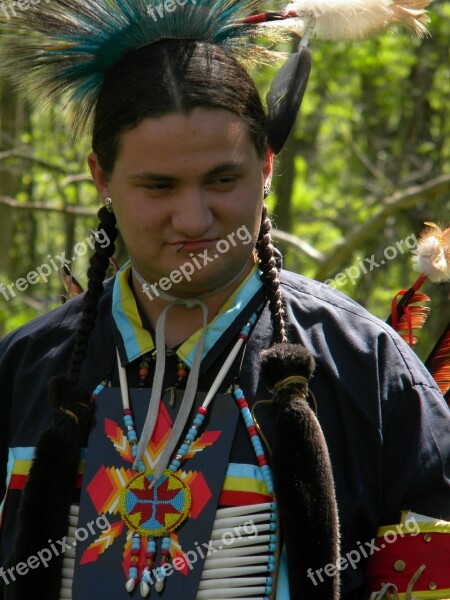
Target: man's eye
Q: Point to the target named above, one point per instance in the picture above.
(157, 187)
(226, 180)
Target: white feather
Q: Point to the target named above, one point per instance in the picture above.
(355, 19)
(431, 259)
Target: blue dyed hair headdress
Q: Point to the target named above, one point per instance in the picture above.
(68, 46)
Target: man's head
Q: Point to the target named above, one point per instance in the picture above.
(179, 145)
(173, 76)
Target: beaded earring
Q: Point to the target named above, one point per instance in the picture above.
(108, 205)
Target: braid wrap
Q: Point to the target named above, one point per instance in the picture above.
(269, 277)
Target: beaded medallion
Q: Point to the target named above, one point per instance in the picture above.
(154, 511)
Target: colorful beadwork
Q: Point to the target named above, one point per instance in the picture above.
(182, 371)
(254, 438)
(181, 376)
(101, 386)
(266, 473)
(143, 371)
(155, 510)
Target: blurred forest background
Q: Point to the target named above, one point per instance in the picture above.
(367, 164)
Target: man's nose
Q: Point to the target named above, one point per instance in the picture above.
(192, 216)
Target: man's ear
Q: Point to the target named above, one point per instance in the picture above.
(98, 175)
(267, 168)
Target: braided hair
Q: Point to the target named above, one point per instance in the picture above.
(46, 499)
(98, 265)
(265, 250)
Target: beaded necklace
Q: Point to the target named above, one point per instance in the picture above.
(144, 372)
(169, 490)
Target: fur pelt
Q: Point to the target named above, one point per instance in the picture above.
(305, 494)
(303, 477)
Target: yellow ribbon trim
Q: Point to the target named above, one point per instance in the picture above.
(424, 595)
(431, 526)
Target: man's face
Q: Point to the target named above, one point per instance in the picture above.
(192, 180)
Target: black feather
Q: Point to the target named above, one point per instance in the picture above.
(285, 97)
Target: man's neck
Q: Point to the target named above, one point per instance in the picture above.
(184, 322)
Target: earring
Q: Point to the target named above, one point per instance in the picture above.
(266, 191)
(108, 205)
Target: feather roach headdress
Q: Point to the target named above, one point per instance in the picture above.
(67, 47)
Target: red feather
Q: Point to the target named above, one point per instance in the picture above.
(438, 363)
(413, 317)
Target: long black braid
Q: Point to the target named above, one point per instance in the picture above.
(270, 277)
(98, 265)
(48, 494)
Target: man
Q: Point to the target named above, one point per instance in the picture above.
(182, 162)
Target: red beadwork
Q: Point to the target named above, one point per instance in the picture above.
(252, 430)
(128, 411)
(202, 410)
(143, 372)
(135, 552)
(242, 403)
(182, 373)
(150, 555)
(242, 336)
(262, 461)
(164, 552)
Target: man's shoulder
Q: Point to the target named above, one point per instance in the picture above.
(318, 296)
(45, 330)
(338, 325)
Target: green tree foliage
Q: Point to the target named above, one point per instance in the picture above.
(366, 165)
